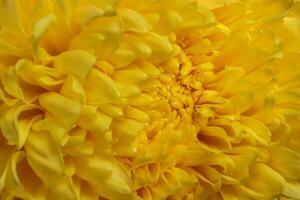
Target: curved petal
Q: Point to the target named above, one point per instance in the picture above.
(76, 62)
(263, 182)
(45, 158)
(21, 180)
(100, 88)
(16, 123)
(285, 161)
(39, 75)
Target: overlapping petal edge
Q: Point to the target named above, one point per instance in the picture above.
(149, 99)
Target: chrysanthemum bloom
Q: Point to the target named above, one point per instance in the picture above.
(149, 99)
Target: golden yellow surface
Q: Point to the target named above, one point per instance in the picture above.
(150, 99)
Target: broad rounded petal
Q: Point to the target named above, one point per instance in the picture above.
(93, 169)
(133, 113)
(133, 21)
(128, 90)
(141, 100)
(263, 182)
(72, 89)
(286, 162)
(130, 76)
(214, 137)
(138, 46)
(16, 123)
(95, 121)
(109, 179)
(122, 57)
(126, 128)
(45, 77)
(112, 110)
(257, 130)
(45, 158)
(78, 144)
(151, 70)
(161, 48)
(228, 193)
(194, 18)
(61, 107)
(292, 190)
(76, 62)
(100, 88)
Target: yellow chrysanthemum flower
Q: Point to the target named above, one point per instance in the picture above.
(149, 99)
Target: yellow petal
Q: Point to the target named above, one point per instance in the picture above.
(89, 42)
(16, 123)
(72, 89)
(7, 48)
(127, 128)
(216, 3)
(83, 15)
(10, 83)
(194, 17)
(100, 88)
(122, 57)
(102, 37)
(78, 145)
(151, 70)
(11, 18)
(133, 113)
(111, 110)
(86, 192)
(161, 48)
(153, 152)
(58, 128)
(147, 174)
(5, 155)
(60, 107)
(170, 20)
(127, 147)
(243, 101)
(133, 21)
(40, 27)
(95, 121)
(286, 162)
(141, 100)
(257, 129)
(228, 193)
(214, 137)
(263, 183)
(105, 67)
(128, 90)
(138, 46)
(21, 180)
(92, 168)
(106, 175)
(38, 75)
(195, 157)
(292, 190)
(130, 76)
(269, 11)
(76, 62)
(45, 158)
